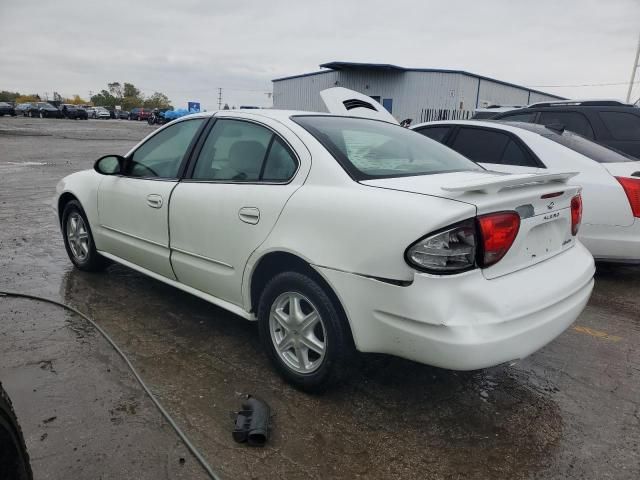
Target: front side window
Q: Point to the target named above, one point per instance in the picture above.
(573, 121)
(162, 155)
(369, 149)
(622, 125)
(239, 151)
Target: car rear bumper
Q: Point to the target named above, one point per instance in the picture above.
(466, 322)
(612, 243)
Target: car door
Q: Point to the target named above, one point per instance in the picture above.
(245, 172)
(133, 207)
(494, 149)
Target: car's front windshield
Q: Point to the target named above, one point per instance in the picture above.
(370, 149)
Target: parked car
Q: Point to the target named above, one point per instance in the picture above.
(14, 458)
(7, 109)
(73, 112)
(44, 110)
(122, 115)
(610, 180)
(23, 109)
(140, 113)
(386, 242)
(101, 113)
(608, 122)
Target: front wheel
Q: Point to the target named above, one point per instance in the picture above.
(78, 240)
(304, 332)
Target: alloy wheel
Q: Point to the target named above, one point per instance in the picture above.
(78, 237)
(297, 332)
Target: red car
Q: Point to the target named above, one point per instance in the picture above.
(140, 113)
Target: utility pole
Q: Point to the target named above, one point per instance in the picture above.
(219, 98)
(633, 72)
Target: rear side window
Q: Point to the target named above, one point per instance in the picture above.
(527, 117)
(594, 151)
(238, 151)
(575, 122)
(435, 133)
(280, 165)
(488, 146)
(621, 125)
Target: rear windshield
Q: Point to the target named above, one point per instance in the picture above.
(369, 149)
(594, 151)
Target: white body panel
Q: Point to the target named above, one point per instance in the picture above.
(355, 235)
(609, 229)
(130, 227)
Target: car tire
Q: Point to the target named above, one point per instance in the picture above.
(78, 239)
(14, 458)
(321, 352)
(41, 114)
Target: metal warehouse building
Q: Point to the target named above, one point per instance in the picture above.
(421, 94)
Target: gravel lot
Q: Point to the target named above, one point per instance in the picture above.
(571, 410)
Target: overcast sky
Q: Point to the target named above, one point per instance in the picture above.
(189, 48)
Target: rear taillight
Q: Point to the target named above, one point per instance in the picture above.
(576, 214)
(482, 242)
(497, 233)
(451, 250)
(632, 189)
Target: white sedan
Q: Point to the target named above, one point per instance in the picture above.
(338, 234)
(610, 180)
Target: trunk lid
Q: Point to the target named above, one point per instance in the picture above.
(342, 101)
(542, 200)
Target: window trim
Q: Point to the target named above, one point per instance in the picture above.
(514, 137)
(185, 159)
(188, 174)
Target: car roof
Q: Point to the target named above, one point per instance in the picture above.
(280, 115)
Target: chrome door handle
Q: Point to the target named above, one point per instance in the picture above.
(154, 200)
(249, 215)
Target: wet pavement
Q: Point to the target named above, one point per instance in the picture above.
(571, 410)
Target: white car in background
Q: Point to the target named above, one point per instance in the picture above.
(101, 112)
(610, 180)
(338, 233)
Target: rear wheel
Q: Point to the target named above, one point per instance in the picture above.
(304, 332)
(14, 459)
(78, 240)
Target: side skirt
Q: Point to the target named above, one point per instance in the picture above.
(185, 288)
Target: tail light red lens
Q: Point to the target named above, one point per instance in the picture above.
(576, 214)
(632, 189)
(497, 233)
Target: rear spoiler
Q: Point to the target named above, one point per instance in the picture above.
(501, 182)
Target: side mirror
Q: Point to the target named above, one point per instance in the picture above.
(109, 165)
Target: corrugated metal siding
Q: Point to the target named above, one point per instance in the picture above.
(420, 96)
